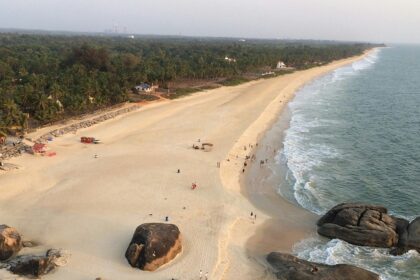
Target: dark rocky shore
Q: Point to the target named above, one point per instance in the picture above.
(289, 267)
(358, 224)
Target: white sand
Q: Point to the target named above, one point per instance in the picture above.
(90, 206)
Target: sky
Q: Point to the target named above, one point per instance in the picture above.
(376, 21)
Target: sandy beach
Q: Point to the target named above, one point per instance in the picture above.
(90, 206)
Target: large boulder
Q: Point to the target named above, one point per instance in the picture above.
(289, 267)
(10, 242)
(361, 224)
(153, 245)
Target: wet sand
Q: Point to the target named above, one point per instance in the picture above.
(280, 224)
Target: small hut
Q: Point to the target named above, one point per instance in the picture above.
(207, 147)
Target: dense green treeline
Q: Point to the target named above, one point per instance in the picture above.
(45, 78)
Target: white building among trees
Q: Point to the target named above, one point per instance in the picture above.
(281, 65)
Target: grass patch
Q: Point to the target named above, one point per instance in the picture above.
(234, 81)
(180, 92)
(278, 73)
(142, 97)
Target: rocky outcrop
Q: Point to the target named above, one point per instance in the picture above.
(10, 242)
(360, 224)
(34, 265)
(153, 245)
(289, 267)
(13, 151)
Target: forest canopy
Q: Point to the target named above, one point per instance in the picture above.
(44, 78)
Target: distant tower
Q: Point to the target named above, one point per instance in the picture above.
(115, 28)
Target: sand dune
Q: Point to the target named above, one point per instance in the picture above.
(90, 206)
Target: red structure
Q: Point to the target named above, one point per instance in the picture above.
(87, 140)
(38, 148)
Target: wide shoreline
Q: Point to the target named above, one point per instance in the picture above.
(89, 198)
(281, 224)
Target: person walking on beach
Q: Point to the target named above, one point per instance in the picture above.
(201, 274)
(206, 276)
(179, 171)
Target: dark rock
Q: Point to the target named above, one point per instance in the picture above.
(153, 245)
(31, 265)
(360, 224)
(413, 240)
(409, 237)
(289, 267)
(402, 230)
(10, 242)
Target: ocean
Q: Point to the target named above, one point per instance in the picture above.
(354, 136)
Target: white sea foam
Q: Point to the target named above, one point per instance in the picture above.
(300, 154)
(377, 260)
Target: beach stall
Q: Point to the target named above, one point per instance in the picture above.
(207, 147)
(39, 148)
(89, 140)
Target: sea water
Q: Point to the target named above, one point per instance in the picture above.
(354, 136)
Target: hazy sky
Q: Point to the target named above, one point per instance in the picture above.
(367, 20)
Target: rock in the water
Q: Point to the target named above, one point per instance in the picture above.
(153, 245)
(289, 267)
(31, 265)
(409, 237)
(360, 224)
(10, 242)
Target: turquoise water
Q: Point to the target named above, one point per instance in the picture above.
(354, 136)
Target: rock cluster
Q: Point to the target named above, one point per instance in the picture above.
(153, 245)
(35, 265)
(27, 265)
(289, 267)
(370, 225)
(12, 151)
